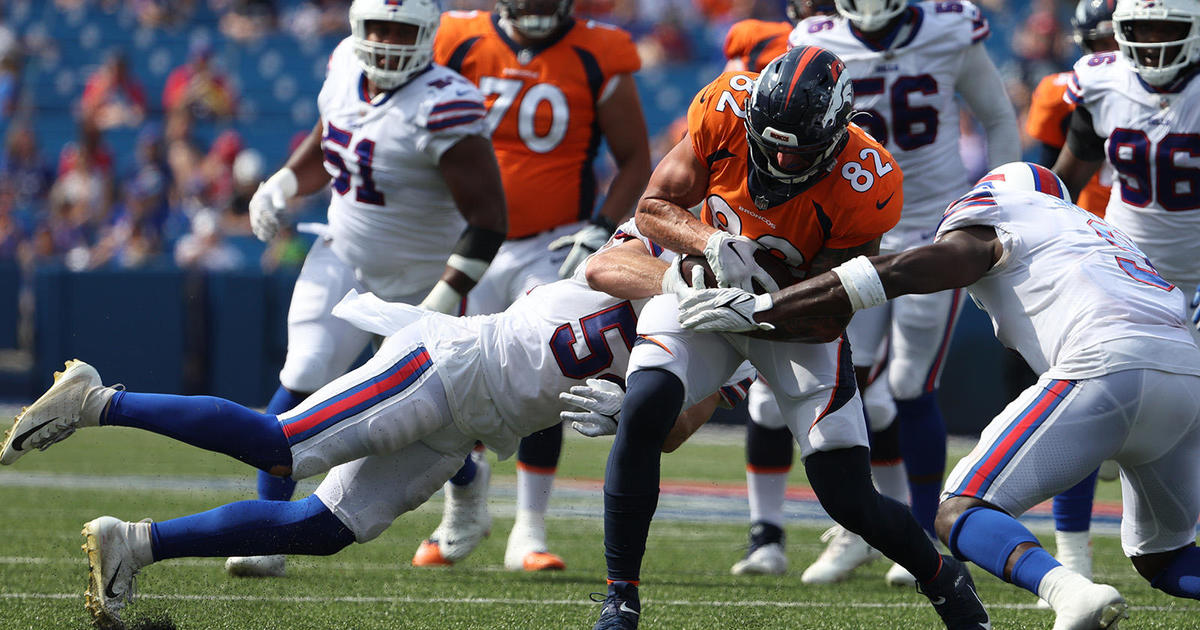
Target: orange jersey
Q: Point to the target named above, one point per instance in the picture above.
(1049, 116)
(757, 42)
(542, 107)
(854, 204)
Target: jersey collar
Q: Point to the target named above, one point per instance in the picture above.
(526, 54)
(913, 21)
(1173, 87)
(364, 96)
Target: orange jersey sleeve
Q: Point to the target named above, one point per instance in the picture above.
(1049, 113)
(542, 109)
(855, 203)
(757, 42)
(1094, 196)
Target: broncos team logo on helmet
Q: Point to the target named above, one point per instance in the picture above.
(797, 119)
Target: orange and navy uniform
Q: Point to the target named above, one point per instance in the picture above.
(1049, 116)
(854, 204)
(542, 107)
(757, 42)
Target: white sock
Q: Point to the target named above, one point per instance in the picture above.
(1060, 584)
(533, 490)
(766, 493)
(1074, 551)
(137, 536)
(891, 480)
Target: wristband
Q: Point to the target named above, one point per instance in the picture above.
(442, 298)
(861, 282)
(472, 268)
(285, 179)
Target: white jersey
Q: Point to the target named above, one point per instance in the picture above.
(391, 216)
(1071, 293)
(1152, 140)
(908, 90)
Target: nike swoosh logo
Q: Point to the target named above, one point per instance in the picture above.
(108, 592)
(19, 441)
(625, 608)
(880, 204)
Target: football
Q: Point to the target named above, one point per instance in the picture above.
(784, 274)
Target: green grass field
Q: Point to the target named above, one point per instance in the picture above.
(46, 498)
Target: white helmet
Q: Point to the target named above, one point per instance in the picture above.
(391, 65)
(534, 21)
(1173, 56)
(870, 15)
(1025, 176)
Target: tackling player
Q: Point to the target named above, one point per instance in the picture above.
(403, 145)
(1119, 378)
(555, 87)
(909, 64)
(1137, 109)
(389, 433)
(777, 165)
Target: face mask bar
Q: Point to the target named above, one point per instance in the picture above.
(391, 65)
(1158, 63)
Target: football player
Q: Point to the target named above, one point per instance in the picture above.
(403, 146)
(1119, 378)
(776, 164)
(909, 64)
(1136, 108)
(389, 433)
(555, 87)
(752, 44)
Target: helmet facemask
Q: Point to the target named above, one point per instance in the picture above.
(535, 19)
(780, 155)
(870, 15)
(390, 65)
(1157, 62)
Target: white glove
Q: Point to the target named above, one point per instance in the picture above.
(723, 310)
(732, 261)
(601, 401)
(673, 281)
(583, 243)
(270, 201)
(1196, 305)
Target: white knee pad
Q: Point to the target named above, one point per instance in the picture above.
(881, 409)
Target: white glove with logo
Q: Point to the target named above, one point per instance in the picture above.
(601, 401)
(723, 310)
(732, 261)
(674, 282)
(270, 201)
(583, 243)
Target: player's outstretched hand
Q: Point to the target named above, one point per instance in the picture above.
(723, 310)
(732, 261)
(583, 243)
(1196, 305)
(269, 203)
(600, 400)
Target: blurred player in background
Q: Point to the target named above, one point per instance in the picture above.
(555, 88)
(404, 146)
(1137, 108)
(909, 64)
(752, 44)
(777, 166)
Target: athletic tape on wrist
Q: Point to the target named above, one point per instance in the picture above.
(862, 283)
(472, 268)
(285, 178)
(442, 298)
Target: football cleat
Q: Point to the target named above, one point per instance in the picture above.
(256, 566)
(55, 415)
(1090, 607)
(899, 576)
(765, 556)
(465, 521)
(527, 551)
(952, 593)
(845, 552)
(622, 609)
(111, 569)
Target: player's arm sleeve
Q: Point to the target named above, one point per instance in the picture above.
(981, 87)
(1048, 114)
(1082, 138)
(443, 122)
(695, 122)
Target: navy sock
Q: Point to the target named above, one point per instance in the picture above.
(1073, 507)
(465, 474)
(270, 487)
(923, 447)
(652, 403)
(253, 528)
(988, 537)
(206, 422)
(541, 450)
(769, 449)
(1182, 577)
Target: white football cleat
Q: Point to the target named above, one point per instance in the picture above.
(1090, 607)
(846, 552)
(769, 559)
(112, 566)
(256, 566)
(899, 576)
(465, 521)
(55, 415)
